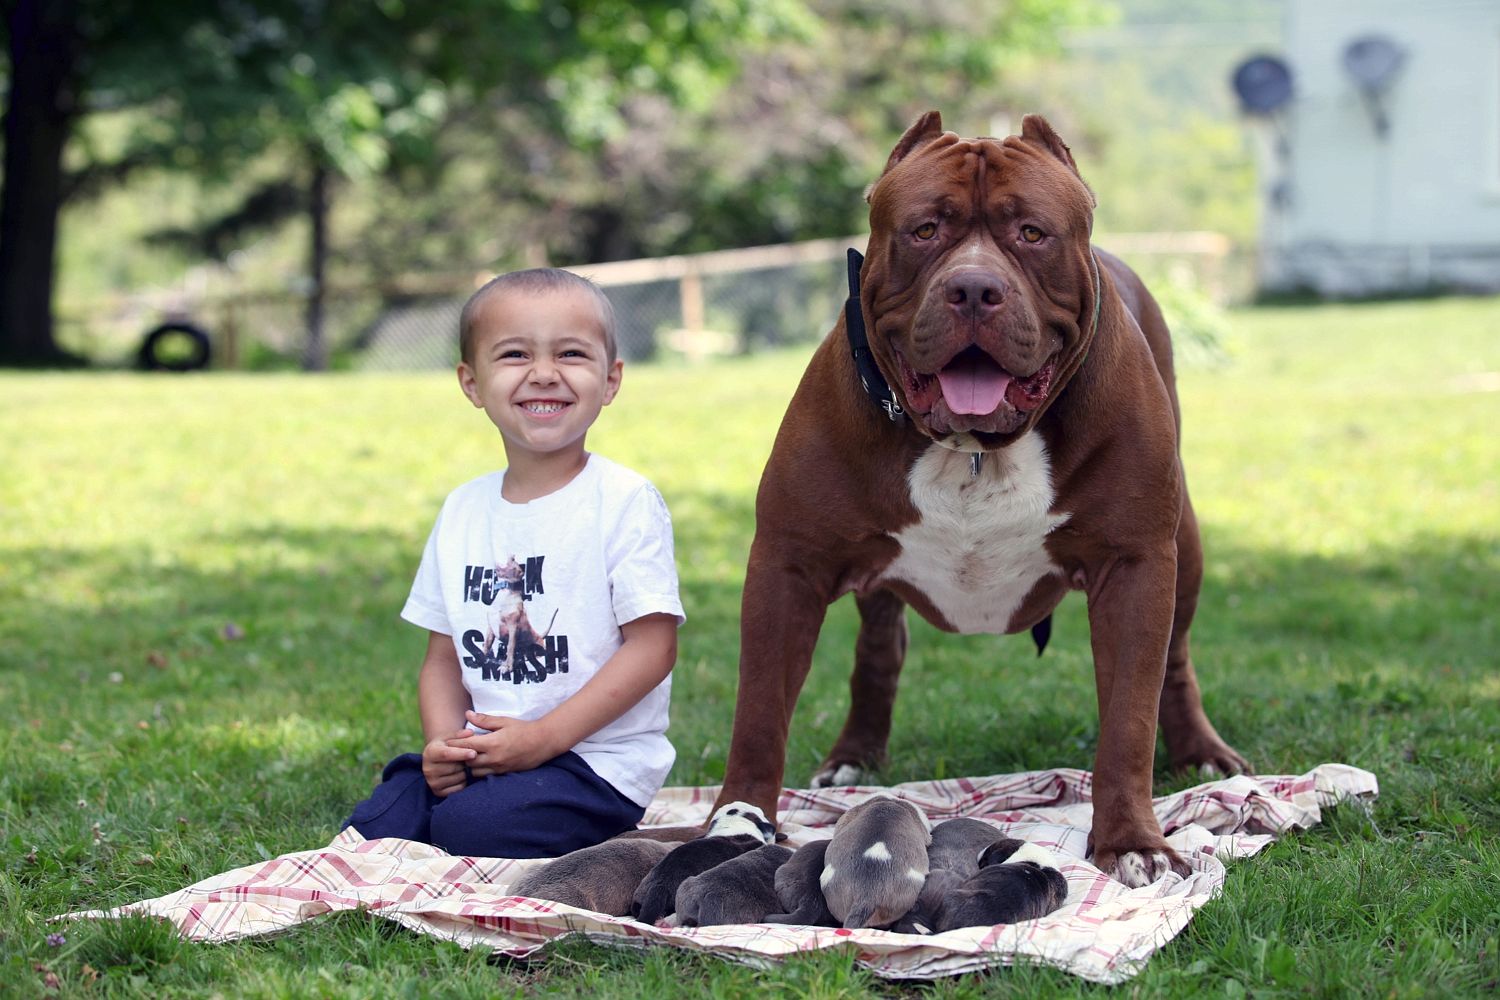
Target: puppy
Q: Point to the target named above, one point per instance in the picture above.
(602, 878)
(952, 857)
(1012, 884)
(735, 829)
(876, 862)
(741, 890)
(798, 891)
(665, 834)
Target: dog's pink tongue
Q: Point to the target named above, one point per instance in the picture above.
(973, 385)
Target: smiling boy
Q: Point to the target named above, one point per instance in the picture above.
(549, 593)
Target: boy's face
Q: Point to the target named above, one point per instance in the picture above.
(540, 369)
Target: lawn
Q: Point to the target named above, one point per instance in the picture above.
(201, 662)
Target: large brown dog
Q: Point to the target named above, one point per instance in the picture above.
(1027, 445)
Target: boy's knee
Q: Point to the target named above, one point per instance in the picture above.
(399, 806)
(482, 822)
(487, 819)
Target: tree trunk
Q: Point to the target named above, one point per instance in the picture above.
(44, 45)
(315, 359)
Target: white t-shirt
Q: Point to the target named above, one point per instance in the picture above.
(534, 594)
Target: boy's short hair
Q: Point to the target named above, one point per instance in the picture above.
(536, 281)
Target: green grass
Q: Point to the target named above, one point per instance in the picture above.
(201, 663)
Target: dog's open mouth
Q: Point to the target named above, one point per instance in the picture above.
(973, 386)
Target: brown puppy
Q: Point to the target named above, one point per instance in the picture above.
(992, 424)
(602, 878)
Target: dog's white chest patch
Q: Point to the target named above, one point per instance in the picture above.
(976, 549)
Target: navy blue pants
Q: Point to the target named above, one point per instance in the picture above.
(546, 812)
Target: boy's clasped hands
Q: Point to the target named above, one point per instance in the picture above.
(450, 762)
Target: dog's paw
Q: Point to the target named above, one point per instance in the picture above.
(1210, 757)
(839, 775)
(1141, 868)
(1221, 761)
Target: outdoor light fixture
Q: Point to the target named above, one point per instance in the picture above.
(1264, 87)
(1263, 83)
(1373, 61)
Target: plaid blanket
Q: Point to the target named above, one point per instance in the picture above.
(1104, 931)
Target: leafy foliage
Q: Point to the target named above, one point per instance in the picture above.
(479, 135)
(325, 88)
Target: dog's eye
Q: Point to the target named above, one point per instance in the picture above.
(925, 231)
(1031, 234)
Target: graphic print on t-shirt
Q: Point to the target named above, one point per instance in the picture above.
(511, 648)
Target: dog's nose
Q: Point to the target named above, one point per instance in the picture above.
(974, 291)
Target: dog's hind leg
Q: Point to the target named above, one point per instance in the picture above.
(1192, 741)
(878, 655)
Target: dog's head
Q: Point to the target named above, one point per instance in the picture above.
(979, 287)
(741, 818)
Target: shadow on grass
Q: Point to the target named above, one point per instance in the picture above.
(256, 686)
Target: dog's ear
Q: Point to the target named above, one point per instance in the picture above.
(1035, 129)
(922, 131)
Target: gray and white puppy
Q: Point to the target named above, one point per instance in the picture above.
(952, 857)
(735, 829)
(741, 890)
(798, 891)
(1011, 885)
(602, 878)
(876, 862)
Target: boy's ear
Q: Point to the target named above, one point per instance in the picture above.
(469, 384)
(612, 380)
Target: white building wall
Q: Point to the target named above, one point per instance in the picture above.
(1421, 206)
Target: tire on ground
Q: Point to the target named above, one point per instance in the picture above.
(156, 353)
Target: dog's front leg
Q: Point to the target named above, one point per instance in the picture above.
(781, 613)
(1130, 621)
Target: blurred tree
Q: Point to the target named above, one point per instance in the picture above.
(790, 152)
(43, 45)
(347, 88)
(781, 153)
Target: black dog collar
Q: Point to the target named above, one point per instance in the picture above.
(875, 385)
